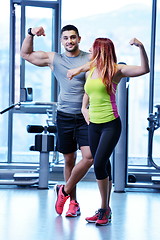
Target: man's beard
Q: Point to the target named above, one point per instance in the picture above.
(73, 49)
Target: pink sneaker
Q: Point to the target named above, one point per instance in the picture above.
(73, 210)
(94, 218)
(103, 218)
(61, 199)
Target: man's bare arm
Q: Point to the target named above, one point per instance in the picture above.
(38, 58)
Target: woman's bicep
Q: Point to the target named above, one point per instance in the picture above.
(131, 71)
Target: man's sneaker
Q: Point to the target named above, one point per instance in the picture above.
(73, 210)
(61, 199)
(94, 218)
(103, 218)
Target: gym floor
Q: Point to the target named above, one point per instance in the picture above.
(29, 214)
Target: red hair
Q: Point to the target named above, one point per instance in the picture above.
(104, 58)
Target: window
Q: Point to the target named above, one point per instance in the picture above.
(156, 94)
(4, 77)
(116, 20)
(23, 75)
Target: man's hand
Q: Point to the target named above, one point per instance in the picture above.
(38, 31)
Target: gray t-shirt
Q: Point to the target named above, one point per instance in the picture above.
(71, 91)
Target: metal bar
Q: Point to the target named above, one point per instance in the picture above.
(56, 26)
(120, 152)
(46, 4)
(10, 107)
(22, 66)
(152, 56)
(11, 78)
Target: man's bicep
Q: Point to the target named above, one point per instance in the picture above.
(38, 58)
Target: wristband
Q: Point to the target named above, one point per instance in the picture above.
(30, 33)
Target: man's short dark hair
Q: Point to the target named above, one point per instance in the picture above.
(69, 28)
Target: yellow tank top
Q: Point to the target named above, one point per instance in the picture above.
(102, 106)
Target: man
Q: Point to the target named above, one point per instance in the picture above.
(71, 126)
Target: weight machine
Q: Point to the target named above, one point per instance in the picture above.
(44, 143)
(154, 124)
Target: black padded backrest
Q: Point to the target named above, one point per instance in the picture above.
(35, 128)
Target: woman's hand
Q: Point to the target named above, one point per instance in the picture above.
(84, 109)
(136, 42)
(73, 72)
(85, 113)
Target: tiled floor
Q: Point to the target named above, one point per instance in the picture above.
(29, 214)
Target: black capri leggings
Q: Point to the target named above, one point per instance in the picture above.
(103, 138)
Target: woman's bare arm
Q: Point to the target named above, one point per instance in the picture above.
(85, 110)
(143, 68)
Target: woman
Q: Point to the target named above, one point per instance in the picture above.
(102, 115)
